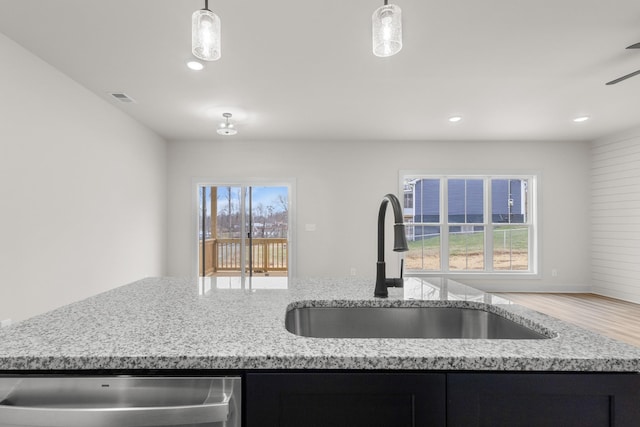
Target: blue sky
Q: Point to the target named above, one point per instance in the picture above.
(268, 196)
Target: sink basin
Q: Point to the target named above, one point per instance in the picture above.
(404, 322)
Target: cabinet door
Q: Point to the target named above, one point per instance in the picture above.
(344, 400)
(543, 399)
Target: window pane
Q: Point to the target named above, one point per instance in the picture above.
(509, 200)
(228, 223)
(205, 258)
(228, 247)
(408, 203)
(426, 200)
(465, 201)
(204, 200)
(424, 248)
(511, 247)
(466, 247)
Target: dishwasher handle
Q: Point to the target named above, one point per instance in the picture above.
(32, 416)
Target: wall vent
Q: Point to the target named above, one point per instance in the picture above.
(122, 97)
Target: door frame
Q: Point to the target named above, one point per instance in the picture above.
(290, 183)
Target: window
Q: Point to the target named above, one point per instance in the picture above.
(243, 231)
(470, 224)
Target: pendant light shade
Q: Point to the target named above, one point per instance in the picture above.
(226, 128)
(387, 30)
(205, 34)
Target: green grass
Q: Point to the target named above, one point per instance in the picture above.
(517, 239)
(432, 242)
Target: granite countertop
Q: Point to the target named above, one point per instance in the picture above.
(173, 323)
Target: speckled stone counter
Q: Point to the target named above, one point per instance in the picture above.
(171, 323)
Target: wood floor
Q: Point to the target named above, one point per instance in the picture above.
(607, 316)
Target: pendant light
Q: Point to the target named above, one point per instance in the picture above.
(387, 30)
(205, 34)
(226, 128)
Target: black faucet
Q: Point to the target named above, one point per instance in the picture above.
(399, 245)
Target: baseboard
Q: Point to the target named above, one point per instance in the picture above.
(532, 287)
(624, 296)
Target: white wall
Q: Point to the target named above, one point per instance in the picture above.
(615, 216)
(82, 190)
(340, 186)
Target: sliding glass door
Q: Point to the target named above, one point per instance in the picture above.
(243, 230)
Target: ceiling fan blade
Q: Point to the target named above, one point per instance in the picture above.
(634, 46)
(618, 80)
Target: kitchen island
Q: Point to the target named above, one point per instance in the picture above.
(172, 323)
(182, 325)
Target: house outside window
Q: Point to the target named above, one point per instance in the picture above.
(481, 224)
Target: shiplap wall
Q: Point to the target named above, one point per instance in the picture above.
(615, 216)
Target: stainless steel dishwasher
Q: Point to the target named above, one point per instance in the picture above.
(120, 401)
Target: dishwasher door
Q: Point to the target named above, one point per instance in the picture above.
(120, 401)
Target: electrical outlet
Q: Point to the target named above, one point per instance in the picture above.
(554, 272)
(4, 323)
(353, 271)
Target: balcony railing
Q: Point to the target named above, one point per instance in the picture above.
(225, 255)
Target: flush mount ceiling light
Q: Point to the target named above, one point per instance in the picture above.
(205, 34)
(387, 30)
(581, 119)
(226, 128)
(455, 119)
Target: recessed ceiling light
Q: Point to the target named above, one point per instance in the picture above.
(195, 65)
(455, 119)
(581, 119)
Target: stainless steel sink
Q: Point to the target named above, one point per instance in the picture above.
(404, 322)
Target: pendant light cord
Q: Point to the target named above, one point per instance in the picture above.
(206, 4)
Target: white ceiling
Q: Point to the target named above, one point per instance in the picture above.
(304, 70)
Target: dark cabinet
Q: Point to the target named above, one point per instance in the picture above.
(352, 399)
(432, 399)
(543, 399)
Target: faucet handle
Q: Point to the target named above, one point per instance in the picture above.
(396, 282)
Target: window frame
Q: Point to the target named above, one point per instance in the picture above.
(532, 222)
